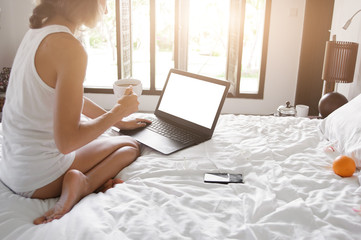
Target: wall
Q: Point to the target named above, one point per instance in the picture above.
(343, 10)
(14, 17)
(315, 36)
(282, 63)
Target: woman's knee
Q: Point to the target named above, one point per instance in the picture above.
(76, 177)
(73, 174)
(129, 141)
(133, 151)
(128, 154)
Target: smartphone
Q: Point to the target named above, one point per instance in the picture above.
(224, 178)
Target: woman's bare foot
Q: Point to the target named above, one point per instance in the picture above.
(75, 187)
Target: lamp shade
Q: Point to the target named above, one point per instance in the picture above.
(339, 62)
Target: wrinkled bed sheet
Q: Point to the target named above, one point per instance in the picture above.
(290, 191)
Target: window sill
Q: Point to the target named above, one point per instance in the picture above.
(158, 92)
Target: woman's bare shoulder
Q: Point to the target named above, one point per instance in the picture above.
(61, 54)
(63, 44)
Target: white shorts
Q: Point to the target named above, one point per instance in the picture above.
(28, 194)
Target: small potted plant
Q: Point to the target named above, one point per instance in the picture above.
(4, 81)
(4, 78)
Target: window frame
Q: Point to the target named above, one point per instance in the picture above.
(181, 45)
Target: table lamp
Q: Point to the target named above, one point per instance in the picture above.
(339, 63)
(338, 67)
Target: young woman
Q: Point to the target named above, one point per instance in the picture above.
(48, 151)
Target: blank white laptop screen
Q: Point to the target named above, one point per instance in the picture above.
(192, 99)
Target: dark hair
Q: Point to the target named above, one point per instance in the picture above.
(79, 12)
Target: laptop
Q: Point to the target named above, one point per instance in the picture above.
(186, 114)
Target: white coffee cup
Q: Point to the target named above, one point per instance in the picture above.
(121, 85)
(302, 110)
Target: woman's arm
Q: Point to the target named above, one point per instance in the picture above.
(93, 110)
(66, 56)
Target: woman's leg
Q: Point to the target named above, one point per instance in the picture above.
(94, 165)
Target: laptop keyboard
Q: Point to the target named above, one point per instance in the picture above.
(171, 131)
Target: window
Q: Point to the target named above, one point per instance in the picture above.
(101, 46)
(143, 39)
(207, 37)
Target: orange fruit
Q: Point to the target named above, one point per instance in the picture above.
(344, 166)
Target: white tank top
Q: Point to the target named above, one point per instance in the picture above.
(30, 158)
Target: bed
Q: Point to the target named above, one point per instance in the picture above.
(289, 190)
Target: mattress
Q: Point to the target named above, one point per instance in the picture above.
(289, 191)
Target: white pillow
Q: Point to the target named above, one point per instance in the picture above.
(343, 129)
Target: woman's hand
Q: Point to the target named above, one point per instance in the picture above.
(132, 124)
(126, 105)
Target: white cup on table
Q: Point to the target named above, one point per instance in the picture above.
(302, 110)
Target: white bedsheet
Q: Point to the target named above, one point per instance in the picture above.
(290, 192)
